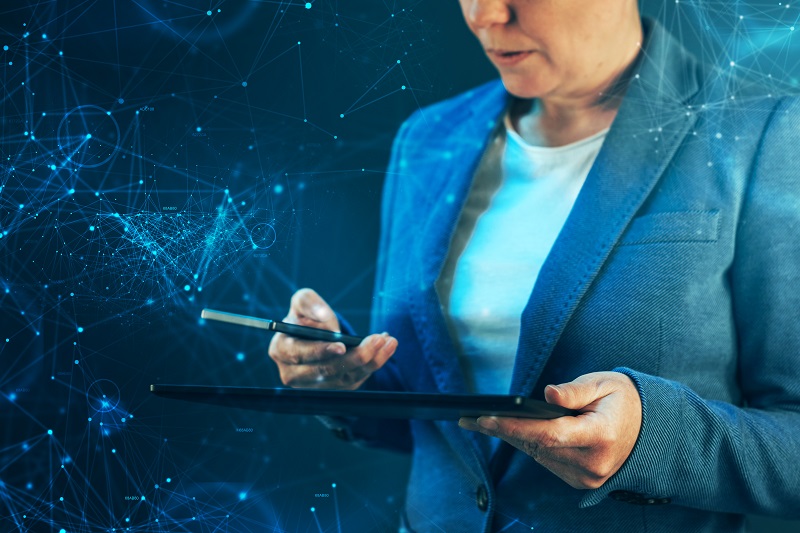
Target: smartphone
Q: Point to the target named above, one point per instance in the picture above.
(301, 332)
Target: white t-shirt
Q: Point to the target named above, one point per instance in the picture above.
(518, 203)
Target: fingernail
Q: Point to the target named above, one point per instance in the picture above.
(488, 422)
(378, 342)
(337, 348)
(466, 423)
(320, 312)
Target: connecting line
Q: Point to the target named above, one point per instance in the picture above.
(319, 526)
(336, 506)
(373, 101)
(302, 83)
(372, 87)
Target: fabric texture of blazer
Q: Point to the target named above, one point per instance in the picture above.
(678, 266)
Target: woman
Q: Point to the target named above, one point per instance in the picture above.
(612, 218)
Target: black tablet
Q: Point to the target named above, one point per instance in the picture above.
(363, 403)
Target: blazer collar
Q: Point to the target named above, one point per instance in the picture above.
(650, 125)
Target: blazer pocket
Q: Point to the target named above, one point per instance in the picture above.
(677, 226)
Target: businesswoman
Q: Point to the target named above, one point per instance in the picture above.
(611, 227)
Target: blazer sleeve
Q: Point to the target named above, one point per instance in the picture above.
(380, 433)
(713, 455)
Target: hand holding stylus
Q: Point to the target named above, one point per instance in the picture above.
(325, 365)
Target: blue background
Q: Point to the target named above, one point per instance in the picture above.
(161, 157)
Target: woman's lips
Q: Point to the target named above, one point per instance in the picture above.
(508, 58)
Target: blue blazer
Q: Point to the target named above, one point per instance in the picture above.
(678, 266)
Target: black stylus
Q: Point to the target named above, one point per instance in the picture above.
(303, 332)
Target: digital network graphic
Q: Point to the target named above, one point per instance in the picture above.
(158, 157)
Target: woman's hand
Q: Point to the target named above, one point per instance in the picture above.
(583, 450)
(325, 365)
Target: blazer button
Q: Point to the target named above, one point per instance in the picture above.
(482, 498)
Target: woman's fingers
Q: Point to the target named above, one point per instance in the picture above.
(314, 364)
(307, 308)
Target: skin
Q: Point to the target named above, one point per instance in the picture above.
(579, 49)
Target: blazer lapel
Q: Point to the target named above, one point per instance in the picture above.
(650, 125)
(449, 189)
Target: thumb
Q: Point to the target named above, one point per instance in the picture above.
(309, 305)
(576, 394)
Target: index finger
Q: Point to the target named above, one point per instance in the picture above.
(565, 432)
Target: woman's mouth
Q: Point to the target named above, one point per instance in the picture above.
(508, 57)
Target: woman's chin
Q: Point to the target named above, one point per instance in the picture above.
(526, 87)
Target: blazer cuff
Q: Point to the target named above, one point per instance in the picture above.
(643, 478)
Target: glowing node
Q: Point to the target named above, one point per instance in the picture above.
(244, 84)
(240, 356)
(242, 495)
(49, 431)
(187, 288)
(308, 5)
(208, 12)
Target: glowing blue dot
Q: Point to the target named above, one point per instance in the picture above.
(72, 191)
(88, 135)
(121, 100)
(244, 84)
(341, 116)
(80, 330)
(12, 396)
(89, 419)
(61, 53)
(199, 129)
(52, 167)
(5, 48)
(313, 509)
(403, 87)
(91, 228)
(308, 5)
(333, 485)
(240, 356)
(398, 61)
(278, 189)
(44, 36)
(61, 498)
(169, 480)
(76, 361)
(242, 495)
(155, 486)
(63, 531)
(113, 450)
(49, 431)
(187, 288)
(208, 12)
